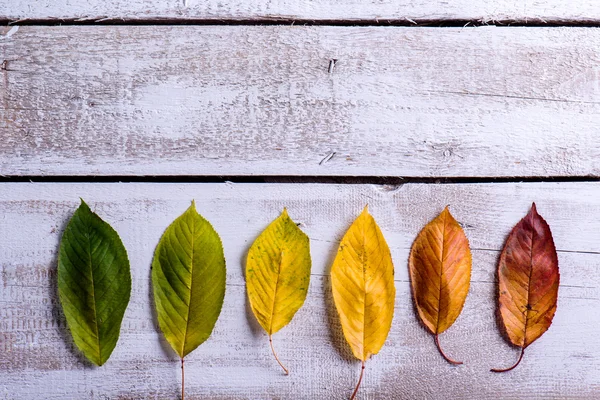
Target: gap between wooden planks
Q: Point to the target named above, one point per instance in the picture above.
(37, 357)
(411, 11)
(254, 100)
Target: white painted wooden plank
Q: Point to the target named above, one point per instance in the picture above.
(248, 100)
(525, 11)
(37, 358)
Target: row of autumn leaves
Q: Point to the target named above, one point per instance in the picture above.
(188, 277)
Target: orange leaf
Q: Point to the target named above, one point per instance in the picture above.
(440, 274)
(528, 282)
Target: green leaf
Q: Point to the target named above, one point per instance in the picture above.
(94, 283)
(278, 274)
(188, 276)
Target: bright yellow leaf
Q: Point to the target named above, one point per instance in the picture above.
(362, 280)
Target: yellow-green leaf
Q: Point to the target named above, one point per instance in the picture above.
(278, 274)
(94, 283)
(362, 280)
(188, 276)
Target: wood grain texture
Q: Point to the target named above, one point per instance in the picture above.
(260, 100)
(37, 358)
(526, 11)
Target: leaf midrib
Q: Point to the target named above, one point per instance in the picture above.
(94, 308)
(437, 323)
(187, 321)
(528, 305)
(364, 271)
(275, 292)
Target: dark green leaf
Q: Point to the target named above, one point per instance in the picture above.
(94, 283)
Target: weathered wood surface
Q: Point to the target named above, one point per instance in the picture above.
(37, 358)
(505, 11)
(252, 100)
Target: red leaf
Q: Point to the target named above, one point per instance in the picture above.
(528, 282)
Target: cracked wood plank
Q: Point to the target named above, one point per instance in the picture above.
(37, 358)
(264, 100)
(410, 11)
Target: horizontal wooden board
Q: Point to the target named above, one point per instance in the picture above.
(505, 11)
(38, 359)
(251, 100)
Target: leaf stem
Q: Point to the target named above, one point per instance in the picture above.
(277, 358)
(182, 381)
(451, 361)
(362, 370)
(514, 366)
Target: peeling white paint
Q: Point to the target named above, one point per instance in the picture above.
(11, 32)
(259, 100)
(408, 10)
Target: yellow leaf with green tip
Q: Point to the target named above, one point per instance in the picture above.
(278, 274)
